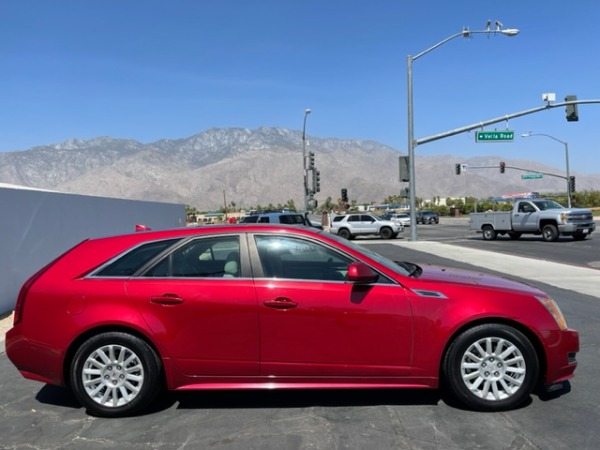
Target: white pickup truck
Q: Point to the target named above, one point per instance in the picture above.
(535, 216)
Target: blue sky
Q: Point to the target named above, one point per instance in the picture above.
(149, 69)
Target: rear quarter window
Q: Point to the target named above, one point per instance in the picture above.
(129, 263)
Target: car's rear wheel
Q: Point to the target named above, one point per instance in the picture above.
(386, 233)
(491, 367)
(489, 234)
(344, 233)
(115, 374)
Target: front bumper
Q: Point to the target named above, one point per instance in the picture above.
(561, 357)
(580, 227)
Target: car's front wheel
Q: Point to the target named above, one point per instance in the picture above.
(550, 233)
(491, 367)
(386, 233)
(115, 374)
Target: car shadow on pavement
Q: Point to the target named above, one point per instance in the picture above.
(248, 399)
(233, 399)
(304, 398)
(57, 396)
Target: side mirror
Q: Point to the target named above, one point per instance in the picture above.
(359, 272)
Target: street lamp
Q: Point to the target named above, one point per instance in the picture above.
(307, 111)
(411, 140)
(566, 159)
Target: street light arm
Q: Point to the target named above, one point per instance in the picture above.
(568, 177)
(542, 134)
(466, 33)
(449, 38)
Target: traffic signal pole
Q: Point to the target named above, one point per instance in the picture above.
(506, 117)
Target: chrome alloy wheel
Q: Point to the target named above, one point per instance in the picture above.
(493, 368)
(112, 375)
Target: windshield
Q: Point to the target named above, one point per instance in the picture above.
(404, 269)
(547, 204)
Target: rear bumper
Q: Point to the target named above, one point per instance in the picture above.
(34, 360)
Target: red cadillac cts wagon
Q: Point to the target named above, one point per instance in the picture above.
(252, 306)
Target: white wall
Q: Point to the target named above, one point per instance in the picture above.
(37, 226)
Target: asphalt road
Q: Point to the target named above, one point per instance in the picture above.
(566, 250)
(33, 415)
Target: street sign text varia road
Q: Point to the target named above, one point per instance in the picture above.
(494, 136)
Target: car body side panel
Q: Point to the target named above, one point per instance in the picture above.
(212, 331)
(53, 321)
(335, 329)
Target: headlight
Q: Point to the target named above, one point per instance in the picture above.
(555, 311)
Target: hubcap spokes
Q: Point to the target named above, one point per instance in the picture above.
(113, 375)
(493, 368)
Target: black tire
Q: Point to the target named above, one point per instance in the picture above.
(386, 233)
(115, 374)
(489, 234)
(514, 235)
(579, 236)
(491, 367)
(345, 233)
(550, 233)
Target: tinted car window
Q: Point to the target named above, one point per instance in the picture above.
(292, 219)
(209, 257)
(134, 260)
(287, 257)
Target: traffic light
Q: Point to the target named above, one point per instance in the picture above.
(457, 169)
(404, 172)
(345, 195)
(572, 114)
(317, 181)
(502, 166)
(572, 183)
(311, 160)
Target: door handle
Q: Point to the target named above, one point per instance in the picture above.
(280, 303)
(166, 299)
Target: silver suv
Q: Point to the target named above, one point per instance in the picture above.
(352, 225)
(289, 218)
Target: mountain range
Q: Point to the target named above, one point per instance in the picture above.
(261, 166)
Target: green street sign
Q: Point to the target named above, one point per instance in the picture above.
(494, 136)
(531, 176)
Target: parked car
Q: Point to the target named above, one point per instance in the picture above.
(427, 217)
(351, 225)
(118, 319)
(288, 218)
(402, 218)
